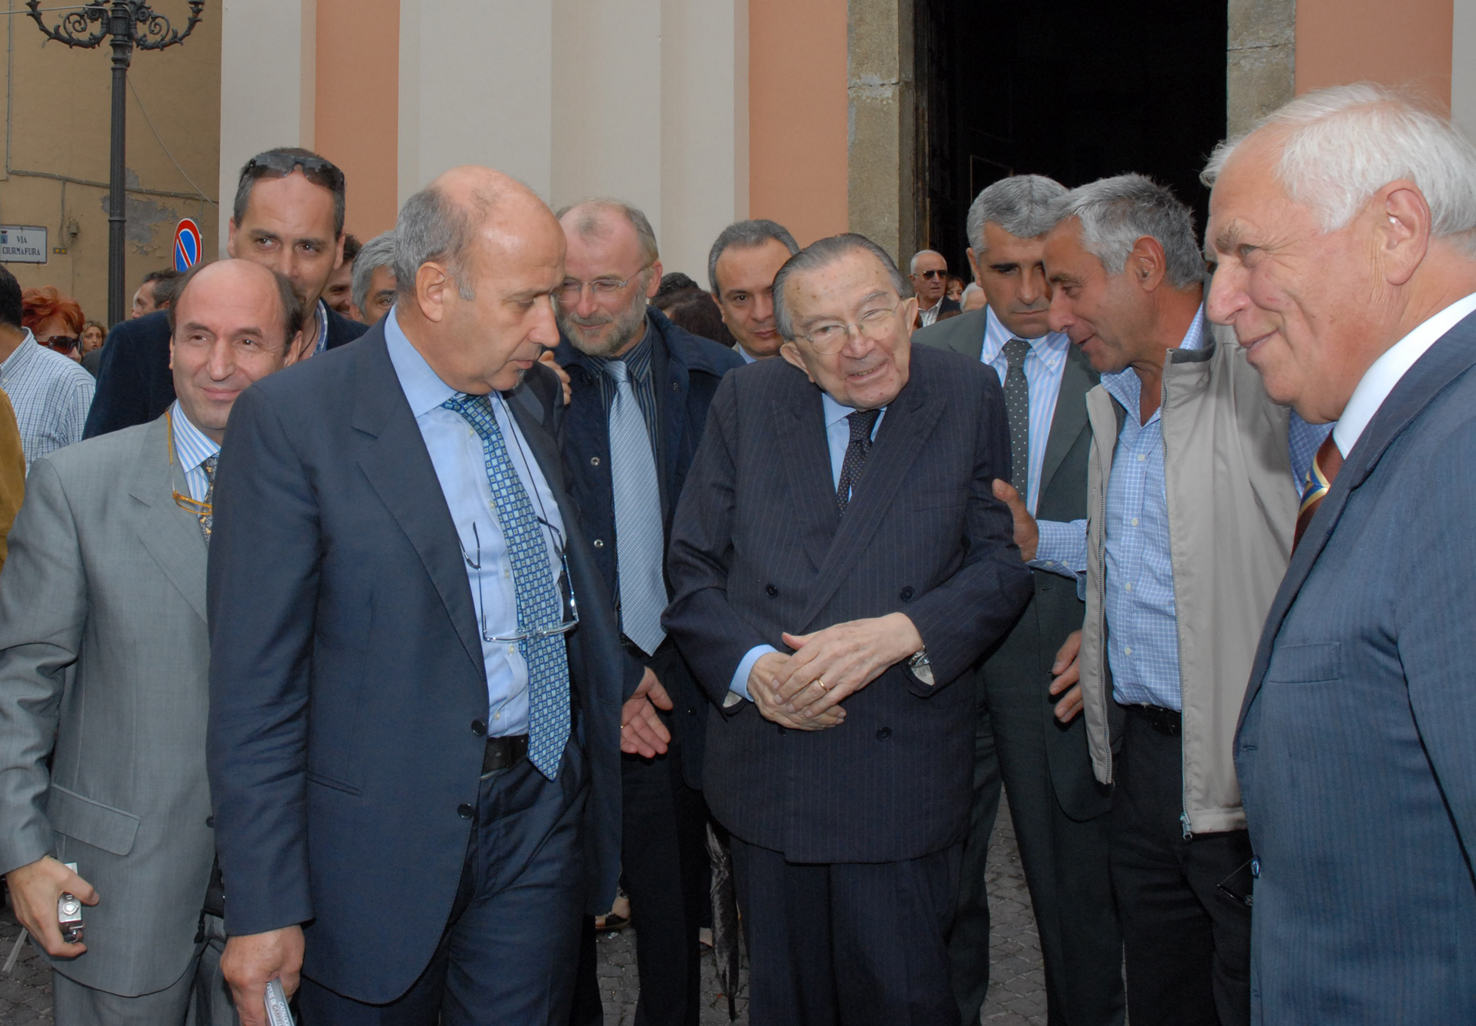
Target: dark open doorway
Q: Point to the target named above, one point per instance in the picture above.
(1073, 89)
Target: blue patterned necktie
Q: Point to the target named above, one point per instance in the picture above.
(540, 605)
(207, 518)
(639, 534)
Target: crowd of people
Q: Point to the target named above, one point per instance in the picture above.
(375, 671)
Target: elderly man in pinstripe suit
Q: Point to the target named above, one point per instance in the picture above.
(839, 561)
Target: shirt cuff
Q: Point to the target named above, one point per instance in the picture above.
(739, 686)
(1062, 548)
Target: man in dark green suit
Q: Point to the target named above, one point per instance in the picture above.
(1027, 735)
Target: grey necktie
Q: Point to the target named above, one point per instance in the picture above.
(207, 519)
(639, 536)
(1017, 412)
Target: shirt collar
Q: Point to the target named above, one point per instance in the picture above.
(1126, 387)
(1050, 347)
(24, 353)
(423, 389)
(834, 411)
(191, 445)
(1385, 373)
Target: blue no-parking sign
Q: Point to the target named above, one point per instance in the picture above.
(186, 246)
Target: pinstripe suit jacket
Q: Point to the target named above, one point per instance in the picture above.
(1355, 751)
(758, 548)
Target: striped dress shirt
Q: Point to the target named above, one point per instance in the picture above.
(191, 449)
(51, 395)
(638, 364)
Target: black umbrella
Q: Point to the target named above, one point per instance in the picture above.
(725, 926)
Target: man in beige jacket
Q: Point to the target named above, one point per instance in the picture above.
(1191, 504)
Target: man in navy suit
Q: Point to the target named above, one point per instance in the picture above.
(627, 464)
(416, 680)
(1343, 228)
(288, 217)
(839, 563)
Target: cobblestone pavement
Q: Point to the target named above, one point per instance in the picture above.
(1016, 992)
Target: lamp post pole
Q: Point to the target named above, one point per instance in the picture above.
(127, 24)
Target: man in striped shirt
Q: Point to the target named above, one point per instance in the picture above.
(50, 393)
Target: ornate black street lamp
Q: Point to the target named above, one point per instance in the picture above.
(129, 23)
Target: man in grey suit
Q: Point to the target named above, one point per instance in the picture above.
(104, 666)
(1026, 732)
(1343, 229)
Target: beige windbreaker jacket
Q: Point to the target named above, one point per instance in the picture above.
(1232, 508)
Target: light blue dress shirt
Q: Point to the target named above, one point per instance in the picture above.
(192, 447)
(744, 353)
(837, 438)
(456, 452)
(1142, 628)
(1045, 365)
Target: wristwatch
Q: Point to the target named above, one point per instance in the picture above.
(920, 667)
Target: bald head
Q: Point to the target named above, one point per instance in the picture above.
(477, 259)
(271, 294)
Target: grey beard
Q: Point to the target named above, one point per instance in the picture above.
(624, 329)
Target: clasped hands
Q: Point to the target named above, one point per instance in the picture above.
(803, 691)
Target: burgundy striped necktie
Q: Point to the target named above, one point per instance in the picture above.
(1325, 467)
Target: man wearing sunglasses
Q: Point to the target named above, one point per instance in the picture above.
(288, 216)
(104, 663)
(930, 285)
(50, 391)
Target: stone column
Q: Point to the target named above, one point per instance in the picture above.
(1260, 66)
(881, 133)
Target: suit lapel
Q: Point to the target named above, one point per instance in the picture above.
(399, 469)
(1446, 360)
(1070, 418)
(907, 424)
(799, 420)
(171, 536)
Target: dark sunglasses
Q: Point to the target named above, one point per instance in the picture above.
(280, 165)
(933, 274)
(61, 343)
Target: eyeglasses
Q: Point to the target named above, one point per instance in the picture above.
(876, 324)
(933, 274)
(565, 585)
(61, 343)
(571, 290)
(280, 165)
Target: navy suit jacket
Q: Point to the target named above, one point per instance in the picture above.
(347, 668)
(758, 548)
(685, 370)
(134, 382)
(1357, 744)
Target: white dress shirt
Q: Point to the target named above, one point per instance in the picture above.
(1379, 380)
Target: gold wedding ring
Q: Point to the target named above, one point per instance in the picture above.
(821, 682)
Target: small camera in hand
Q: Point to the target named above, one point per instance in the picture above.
(69, 914)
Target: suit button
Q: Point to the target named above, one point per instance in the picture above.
(771, 591)
(599, 544)
(884, 734)
(907, 593)
(1256, 868)
(210, 822)
(479, 728)
(464, 811)
(594, 461)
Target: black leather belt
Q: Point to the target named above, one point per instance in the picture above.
(503, 752)
(1165, 721)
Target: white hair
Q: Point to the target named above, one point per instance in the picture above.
(912, 267)
(969, 290)
(1342, 145)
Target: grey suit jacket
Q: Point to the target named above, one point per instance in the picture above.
(103, 647)
(1021, 663)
